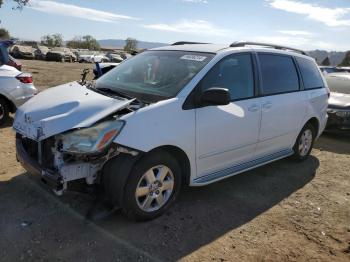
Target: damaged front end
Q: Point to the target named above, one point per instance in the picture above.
(74, 155)
(60, 155)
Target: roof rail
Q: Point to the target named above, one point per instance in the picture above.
(187, 43)
(280, 47)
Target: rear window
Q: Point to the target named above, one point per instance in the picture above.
(311, 76)
(279, 74)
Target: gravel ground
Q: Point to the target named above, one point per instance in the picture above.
(284, 211)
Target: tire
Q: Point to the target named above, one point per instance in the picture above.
(304, 143)
(4, 111)
(155, 197)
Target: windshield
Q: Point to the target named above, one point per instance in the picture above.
(154, 75)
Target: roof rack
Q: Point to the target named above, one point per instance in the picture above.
(279, 47)
(187, 43)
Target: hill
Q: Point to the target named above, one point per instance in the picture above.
(118, 43)
(335, 58)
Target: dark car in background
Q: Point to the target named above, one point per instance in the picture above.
(60, 54)
(40, 52)
(22, 52)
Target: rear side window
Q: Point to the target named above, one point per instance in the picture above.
(279, 74)
(234, 72)
(310, 74)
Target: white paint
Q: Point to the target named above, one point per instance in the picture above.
(212, 137)
(62, 108)
(15, 91)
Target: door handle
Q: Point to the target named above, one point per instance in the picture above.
(267, 105)
(253, 108)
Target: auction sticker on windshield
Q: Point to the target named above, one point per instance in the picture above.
(198, 58)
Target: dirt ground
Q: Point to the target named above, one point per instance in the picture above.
(284, 211)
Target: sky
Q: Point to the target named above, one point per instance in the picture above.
(305, 24)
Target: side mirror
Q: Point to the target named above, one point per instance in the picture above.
(215, 96)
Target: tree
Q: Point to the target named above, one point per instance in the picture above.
(326, 62)
(55, 40)
(19, 3)
(75, 43)
(4, 34)
(47, 40)
(91, 43)
(130, 45)
(346, 60)
(84, 42)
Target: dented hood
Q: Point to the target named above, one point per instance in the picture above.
(339, 100)
(62, 108)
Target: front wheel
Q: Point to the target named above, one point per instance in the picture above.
(304, 143)
(152, 186)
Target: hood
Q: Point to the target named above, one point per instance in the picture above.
(339, 100)
(62, 108)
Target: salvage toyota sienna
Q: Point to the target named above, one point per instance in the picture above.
(185, 114)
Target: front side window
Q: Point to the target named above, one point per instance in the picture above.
(235, 73)
(311, 76)
(154, 75)
(279, 74)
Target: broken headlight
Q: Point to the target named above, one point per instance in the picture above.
(92, 139)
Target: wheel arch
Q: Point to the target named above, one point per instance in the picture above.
(315, 123)
(10, 103)
(125, 163)
(182, 159)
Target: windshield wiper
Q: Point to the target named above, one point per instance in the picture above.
(114, 93)
(105, 90)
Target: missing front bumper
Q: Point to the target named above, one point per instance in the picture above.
(54, 181)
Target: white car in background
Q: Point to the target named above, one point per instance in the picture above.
(91, 57)
(15, 87)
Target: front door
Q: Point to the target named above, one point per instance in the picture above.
(226, 136)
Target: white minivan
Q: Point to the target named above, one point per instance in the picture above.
(185, 114)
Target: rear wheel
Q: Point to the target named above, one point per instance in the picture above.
(304, 143)
(152, 186)
(4, 111)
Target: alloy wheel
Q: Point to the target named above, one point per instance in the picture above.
(305, 142)
(154, 189)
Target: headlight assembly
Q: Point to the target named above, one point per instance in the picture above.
(92, 139)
